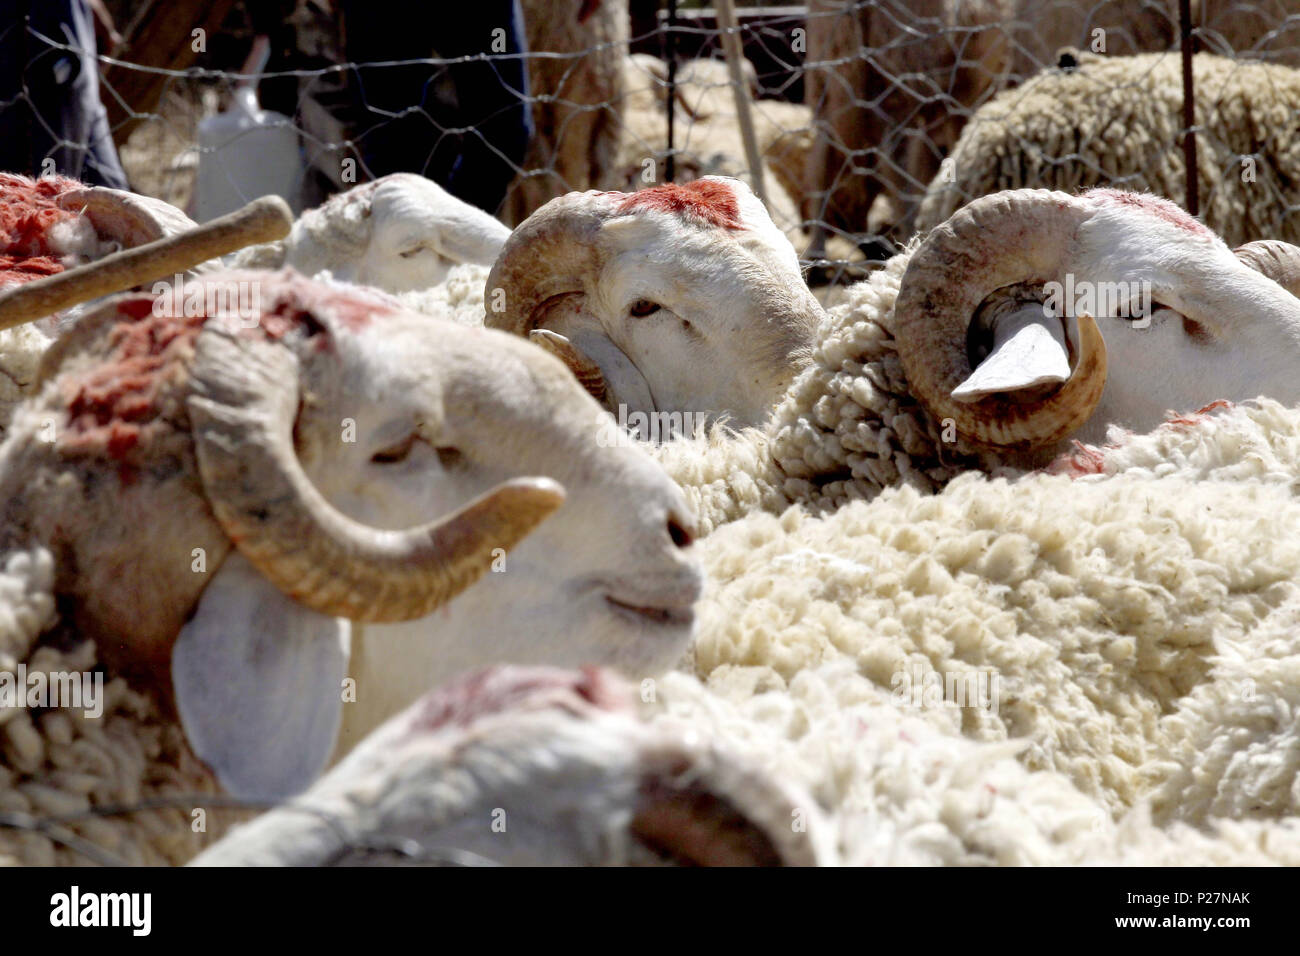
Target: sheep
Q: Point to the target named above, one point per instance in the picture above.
(529, 767)
(402, 234)
(1089, 664)
(1118, 120)
(1143, 644)
(894, 114)
(52, 224)
(575, 58)
(635, 281)
(919, 375)
(355, 416)
(708, 140)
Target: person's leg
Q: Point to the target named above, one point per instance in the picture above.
(467, 125)
(83, 110)
(493, 98)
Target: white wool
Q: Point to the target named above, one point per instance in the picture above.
(21, 349)
(1145, 632)
(1111, 121)
(459, 297)
(1256, 441)
(60, 760)
(76, 242)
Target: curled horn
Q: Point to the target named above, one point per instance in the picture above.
(1278, 260)
(996, 241)
(242, 409)
(549, 254)
(586, 371)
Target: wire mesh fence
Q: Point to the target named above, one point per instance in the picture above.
(873, 119)
(859, 108)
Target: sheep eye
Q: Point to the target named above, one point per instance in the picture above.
(412, 253)
(394, 453)
(643, 307)
(449, 457)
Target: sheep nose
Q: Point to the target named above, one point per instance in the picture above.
(681, 528)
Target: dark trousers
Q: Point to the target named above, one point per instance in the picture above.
(466, 126)
(49, 97)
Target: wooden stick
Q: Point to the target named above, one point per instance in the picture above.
(262, 220)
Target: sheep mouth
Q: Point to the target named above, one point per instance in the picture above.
(657, 615)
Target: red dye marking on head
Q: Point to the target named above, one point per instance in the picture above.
(713, 202)
(294, 299)
(495, 690)
(1154, 205)
(114, 405)
(28, 208)
(587, 9)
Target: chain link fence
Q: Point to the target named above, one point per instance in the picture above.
(858, 108)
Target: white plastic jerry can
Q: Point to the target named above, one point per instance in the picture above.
(244, 153)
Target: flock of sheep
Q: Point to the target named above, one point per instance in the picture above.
(961, 570)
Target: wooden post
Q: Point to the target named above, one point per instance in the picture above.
(162, 38)
(1189, 108)
(735, 53)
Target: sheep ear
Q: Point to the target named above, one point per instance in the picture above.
(1028, 349)
(258, 682)
(478, 240)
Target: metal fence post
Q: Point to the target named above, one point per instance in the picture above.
(1189, 108)
(670, 54)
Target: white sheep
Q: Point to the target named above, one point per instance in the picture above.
(1119, 120)
(534, 767)
(187, 426)
(1122, 643)
(686, 297)
(1136, 648)
(52, 224)
(1027, 318)
(403, 234)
